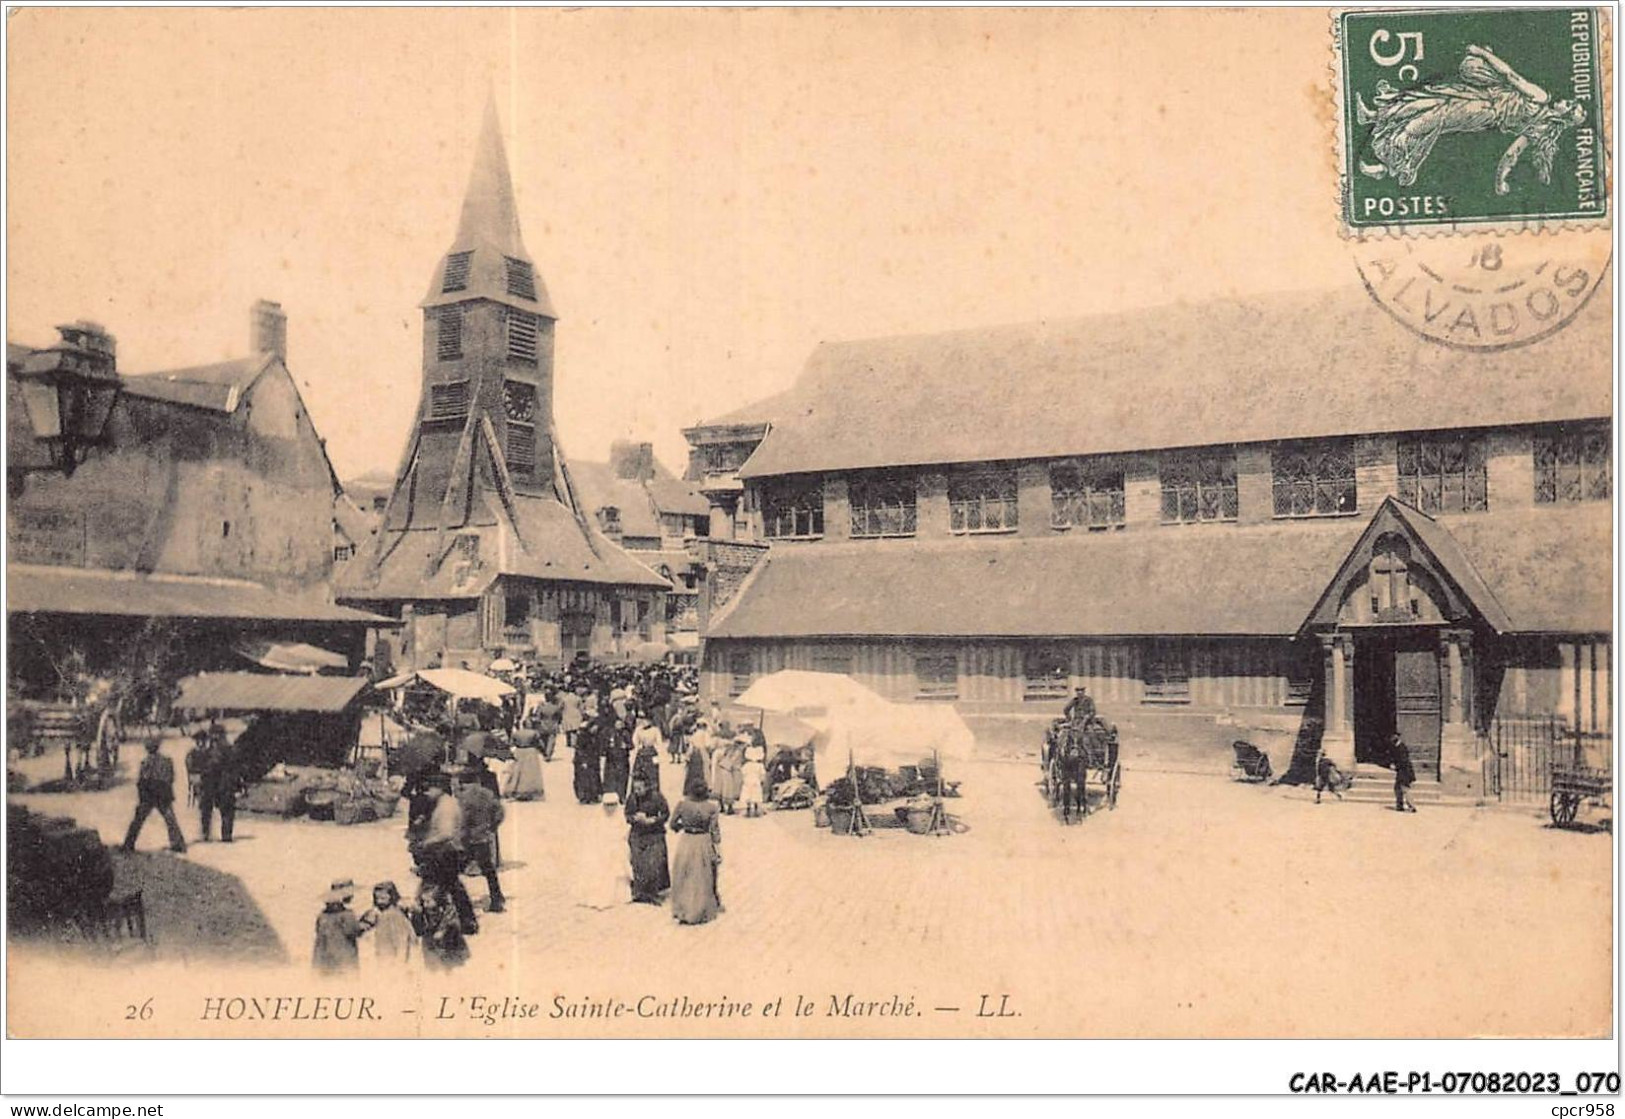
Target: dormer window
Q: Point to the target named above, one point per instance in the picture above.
(456, 275)
(521, 278)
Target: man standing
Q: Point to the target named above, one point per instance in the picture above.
(219, 787)
(1399, 756)
(155, 788)
(440, 851)
(482, 814)
(547, 718)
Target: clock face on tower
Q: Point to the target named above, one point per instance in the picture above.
(519, 402)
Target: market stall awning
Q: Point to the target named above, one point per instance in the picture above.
(459, 682)
(291, 656)
(257, 691)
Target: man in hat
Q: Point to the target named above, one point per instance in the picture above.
(1399, 756)
(337, 930)
(221, 780)
(1080, 708)
(155, 789)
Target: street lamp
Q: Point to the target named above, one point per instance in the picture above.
(68, 391)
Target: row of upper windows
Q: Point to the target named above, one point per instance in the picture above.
(1437, 473)
(1048, 673)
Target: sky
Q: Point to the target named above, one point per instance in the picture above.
(707, 194)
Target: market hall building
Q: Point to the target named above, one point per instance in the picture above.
(1284, 519)
(486, 547)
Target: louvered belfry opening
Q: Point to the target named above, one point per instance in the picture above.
(487, 354)
(456, 277)
(521, 278)
(522, 337)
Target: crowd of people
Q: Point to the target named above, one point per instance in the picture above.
(618, 724)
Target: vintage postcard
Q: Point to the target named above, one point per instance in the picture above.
(904, 524)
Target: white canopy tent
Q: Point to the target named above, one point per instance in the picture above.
(459, 682)
(858, 727)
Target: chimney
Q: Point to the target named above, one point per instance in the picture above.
(633, 462)
(268, 329)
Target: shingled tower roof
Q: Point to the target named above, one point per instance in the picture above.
(483, 489)
(488, 259)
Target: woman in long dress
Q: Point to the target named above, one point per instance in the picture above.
(523, 781)
(694, 898)
(647, 813)
(589, 787)
(730, 779)
(617, 739)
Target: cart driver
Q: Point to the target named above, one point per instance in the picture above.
(1080, 708)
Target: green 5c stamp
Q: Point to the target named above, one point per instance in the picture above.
(1470, 116)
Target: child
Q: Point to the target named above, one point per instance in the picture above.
(337, 930)
(391, 928)
(753, 780)
(437, 923)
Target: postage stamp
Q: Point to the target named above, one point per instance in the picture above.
(1471, 117)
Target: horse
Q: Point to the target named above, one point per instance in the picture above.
(1070, 766)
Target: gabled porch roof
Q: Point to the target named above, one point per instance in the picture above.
(1465, 588)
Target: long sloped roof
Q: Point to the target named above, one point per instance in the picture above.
(1231, 371)
(39, 589)
(1549, 569)
(218, 387)
(550, 544)
(261, 691)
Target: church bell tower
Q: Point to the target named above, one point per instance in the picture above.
(485, 414)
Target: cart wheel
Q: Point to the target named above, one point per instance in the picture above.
(1112, 788)
(1564, 808)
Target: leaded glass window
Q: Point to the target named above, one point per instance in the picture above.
(1443, 473)
(1199, 486)
(793, 508)
(883, 504)
(1573, 465)
(1084, 497)
(982, 502)
(1314, 479)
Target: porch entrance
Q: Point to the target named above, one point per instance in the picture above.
(1397, 686)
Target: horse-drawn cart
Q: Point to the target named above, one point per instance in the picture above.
(1073, 750)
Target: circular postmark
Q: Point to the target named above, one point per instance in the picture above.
(1483, 291)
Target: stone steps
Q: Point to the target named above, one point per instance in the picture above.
(1375, 785)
